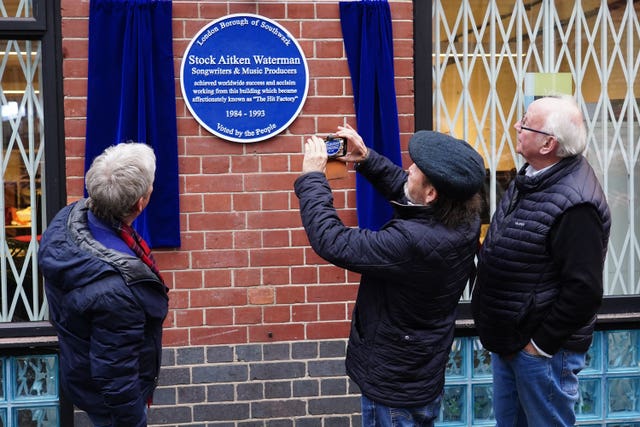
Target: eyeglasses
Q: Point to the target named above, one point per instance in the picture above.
(523, 127)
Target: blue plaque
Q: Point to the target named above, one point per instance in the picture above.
(244, 78)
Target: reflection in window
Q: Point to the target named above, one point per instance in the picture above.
(21, 296)
(481, 55)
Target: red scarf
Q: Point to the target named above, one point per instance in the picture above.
(138, 246)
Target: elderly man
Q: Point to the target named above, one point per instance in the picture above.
(539, 282)
(106, 297)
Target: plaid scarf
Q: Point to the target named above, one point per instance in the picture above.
(138, 246)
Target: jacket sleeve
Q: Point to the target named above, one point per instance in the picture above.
(117, 334)
(385, 176)
(386, 251)
(576, 244)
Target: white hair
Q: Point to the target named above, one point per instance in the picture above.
(566, 122)
(118, 178)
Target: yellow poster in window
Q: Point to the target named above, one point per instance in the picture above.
(537, 85)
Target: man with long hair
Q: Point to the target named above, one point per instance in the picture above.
(413, 270)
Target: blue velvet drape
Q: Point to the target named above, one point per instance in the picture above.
(368, 41)
(131, 97)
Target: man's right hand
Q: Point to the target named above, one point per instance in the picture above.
(358, 150)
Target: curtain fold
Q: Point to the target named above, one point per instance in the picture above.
(368, 41)
(131, 97)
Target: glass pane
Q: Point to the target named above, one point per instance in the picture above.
(455, 364)
(593, 358)
(37, 417)
(482, 403)
(454, 404)
(16, 8)
(21, 159)
(481, 360)
(35, 377)
(2, 392)
(624, 396)
(623, 350)
(589, 402)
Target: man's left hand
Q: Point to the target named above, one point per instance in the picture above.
(531, 349)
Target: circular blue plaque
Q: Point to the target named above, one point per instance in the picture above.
(244, 78)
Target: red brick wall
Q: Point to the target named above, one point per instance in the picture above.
(245, 272)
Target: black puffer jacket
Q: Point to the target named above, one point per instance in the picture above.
(521, 292)
(413, 273)
(107, 308)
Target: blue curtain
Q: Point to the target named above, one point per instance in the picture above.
(368, 41)
(131, 97)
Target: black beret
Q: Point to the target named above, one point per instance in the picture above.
(452, 165)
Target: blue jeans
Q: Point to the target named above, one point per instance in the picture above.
(377, 415)
(532, 391)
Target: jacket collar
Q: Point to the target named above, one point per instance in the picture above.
(547, 177)
(406, 210)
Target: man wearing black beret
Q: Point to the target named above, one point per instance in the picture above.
(413, 270)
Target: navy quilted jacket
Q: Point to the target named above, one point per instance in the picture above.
(107, 308)
(520, 292)
(413, 272)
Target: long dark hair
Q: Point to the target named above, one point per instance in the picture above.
(453, 212)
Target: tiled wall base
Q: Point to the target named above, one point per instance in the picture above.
(304, 384)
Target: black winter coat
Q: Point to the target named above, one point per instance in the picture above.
(107, 308)
(413, 272)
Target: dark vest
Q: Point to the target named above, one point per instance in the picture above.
(517, 282)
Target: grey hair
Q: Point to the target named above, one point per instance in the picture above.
(566, 122)
(118, 178)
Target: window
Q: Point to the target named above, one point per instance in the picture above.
(471, 81)
(30, 112)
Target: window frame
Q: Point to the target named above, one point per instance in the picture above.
(28, 26)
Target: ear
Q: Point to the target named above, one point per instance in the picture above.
(140, 205)
(550, 145)
(430, 194)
